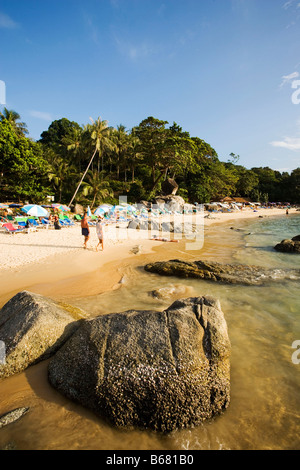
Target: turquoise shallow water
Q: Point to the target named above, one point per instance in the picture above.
(263, 322)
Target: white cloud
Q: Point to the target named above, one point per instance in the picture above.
(41, 115)
(289, 78)
(288, 4)
(7, 22)
(289, 143)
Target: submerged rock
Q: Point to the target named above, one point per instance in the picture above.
(226, 273)
(12, 416)
(32, 328)
(148, 369)
(289, 246)
(173, 290)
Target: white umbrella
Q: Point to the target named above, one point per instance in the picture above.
(35, 210)
(100, 211)
(89, 212)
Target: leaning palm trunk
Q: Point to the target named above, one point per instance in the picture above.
(83, 176)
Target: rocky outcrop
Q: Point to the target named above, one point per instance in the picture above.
(169, 187)
(289, 246)
(170, 203)
(149, 369)
(32, 328)
(225, 273)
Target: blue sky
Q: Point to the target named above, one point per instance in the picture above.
(224, 70)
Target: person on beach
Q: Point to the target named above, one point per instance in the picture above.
(99, 231)
(85, 230)
(56, 223)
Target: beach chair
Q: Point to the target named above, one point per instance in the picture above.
(21, 224)
(62, 223)
(77, 217)
(46, 223)
(35, 223)
(69, 221)
(9, 227)
(66, 222)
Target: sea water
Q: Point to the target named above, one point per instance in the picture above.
(263, 325)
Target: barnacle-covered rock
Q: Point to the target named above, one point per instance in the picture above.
(148, 369)
(32, 328)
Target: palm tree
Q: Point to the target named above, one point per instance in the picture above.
(12, 117)
(100, 134)
(121, 141)
(98, 189)
(60, 172)
(74, 143)
(134, 152)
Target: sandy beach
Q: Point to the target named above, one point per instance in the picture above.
(58, 257)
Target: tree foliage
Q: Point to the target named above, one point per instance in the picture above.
(94, 163)
(23, 168)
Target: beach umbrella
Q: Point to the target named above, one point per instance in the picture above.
(35, 210)
(117, 208)
(60, 207)
(3, 206)
(100, 211)
(89, 212)
(130, 208)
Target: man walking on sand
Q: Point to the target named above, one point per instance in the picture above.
(99, 231)
(85, 230)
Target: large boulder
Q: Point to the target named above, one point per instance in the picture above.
(224, 273)
(149, 369)
(32, 328)
(289, 246)
(170, 203)
(169, 187)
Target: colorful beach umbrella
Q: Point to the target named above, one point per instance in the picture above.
(60, 207)
(3, 206)
(35, 210)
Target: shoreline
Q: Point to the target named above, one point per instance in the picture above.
(61, 266)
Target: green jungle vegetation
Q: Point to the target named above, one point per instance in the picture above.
(94, 163)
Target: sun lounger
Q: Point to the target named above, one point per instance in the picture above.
(9, 227)
(46, 223)
(34, 223)
(69, 221)
(62, 223)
